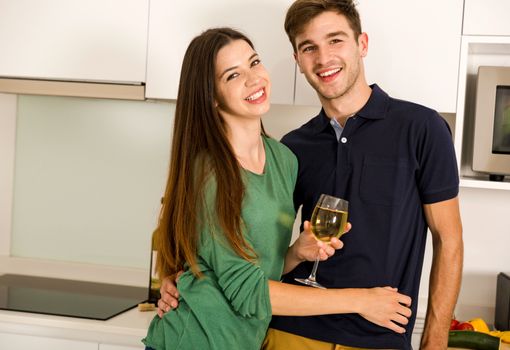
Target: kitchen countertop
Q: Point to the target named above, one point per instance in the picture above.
(127, 328)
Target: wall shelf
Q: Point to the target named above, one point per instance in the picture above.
(473, 182)
(476, 51)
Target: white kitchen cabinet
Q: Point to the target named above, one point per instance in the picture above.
(94, 40)
(482, 17)
(173, 24)
(19, 330)
(28, 342)
(413, 51)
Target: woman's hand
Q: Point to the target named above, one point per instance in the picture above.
(308, 248)
(386, 307)
(169, 294)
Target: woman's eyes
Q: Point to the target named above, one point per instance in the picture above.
(232, 76)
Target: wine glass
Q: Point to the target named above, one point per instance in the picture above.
(328, 220)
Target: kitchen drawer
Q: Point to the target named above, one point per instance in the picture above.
(29, 342)
(120, 347)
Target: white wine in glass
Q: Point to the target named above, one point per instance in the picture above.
(328, 220)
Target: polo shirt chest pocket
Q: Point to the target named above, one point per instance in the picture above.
(384, 180)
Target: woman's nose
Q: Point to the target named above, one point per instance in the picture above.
(253, 78)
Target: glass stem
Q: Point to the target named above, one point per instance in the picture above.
(314, 270)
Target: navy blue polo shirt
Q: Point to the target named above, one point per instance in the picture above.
(392, 157)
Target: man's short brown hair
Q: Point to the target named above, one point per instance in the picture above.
(301, 12)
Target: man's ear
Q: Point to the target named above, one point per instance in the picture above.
(363, 44)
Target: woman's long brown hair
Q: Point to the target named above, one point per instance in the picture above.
(200, 136)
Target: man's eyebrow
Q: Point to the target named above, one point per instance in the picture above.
(338, 33)
(329, 35)
(303, 43)
(234, 67)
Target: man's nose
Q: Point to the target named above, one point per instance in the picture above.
(323, 56)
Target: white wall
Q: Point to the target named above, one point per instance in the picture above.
(485, 216)
(89, 175)
(7, 139)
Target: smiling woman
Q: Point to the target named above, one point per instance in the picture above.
(212, 224)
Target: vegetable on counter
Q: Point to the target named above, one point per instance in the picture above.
(503, 335)
(476, 324)
(464, 326)
(453, 324)
(475, 334)
(479, 325)
(472, 340)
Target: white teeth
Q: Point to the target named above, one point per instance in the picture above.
(329, 72)
(255, 95)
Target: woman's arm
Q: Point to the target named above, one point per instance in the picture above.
(382, 306)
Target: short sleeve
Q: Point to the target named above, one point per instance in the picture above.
(437, 176)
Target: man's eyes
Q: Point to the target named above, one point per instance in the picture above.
(336, 41)
(311, 48)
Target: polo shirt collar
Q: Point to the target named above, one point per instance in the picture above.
(377, 104)
(375, 108)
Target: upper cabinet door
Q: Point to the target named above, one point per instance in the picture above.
(482, 17)
(173, 24)
(93, 40)
(413, 51)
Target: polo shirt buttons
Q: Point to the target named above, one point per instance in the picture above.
(343, 140)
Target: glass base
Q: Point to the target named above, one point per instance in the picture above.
(310, 282)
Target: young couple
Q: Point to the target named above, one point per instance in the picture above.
(232, 191)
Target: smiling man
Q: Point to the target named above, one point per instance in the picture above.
(395, 163)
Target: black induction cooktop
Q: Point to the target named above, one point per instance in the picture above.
(52, 296)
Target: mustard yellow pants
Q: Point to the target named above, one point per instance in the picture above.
(279, 340)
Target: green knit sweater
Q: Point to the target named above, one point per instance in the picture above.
(229, 308)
